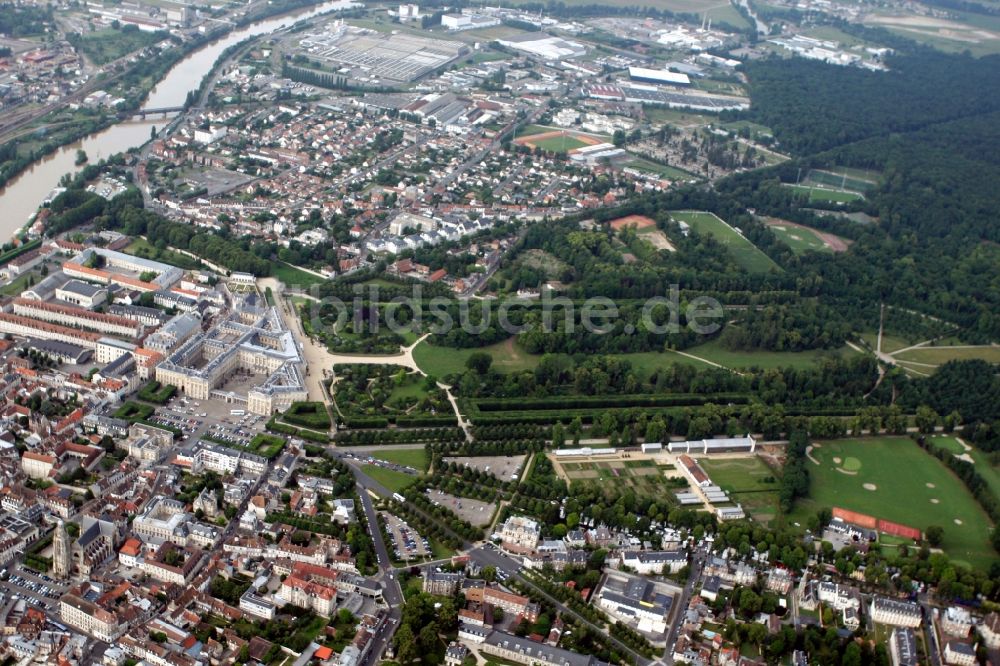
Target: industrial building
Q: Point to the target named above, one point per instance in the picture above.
(546, 47)
(366, 54)
(658, 76)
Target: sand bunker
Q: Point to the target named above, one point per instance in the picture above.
(870, 486)
(958, 521)
(930, 485)
(836, 460)
(935, 500)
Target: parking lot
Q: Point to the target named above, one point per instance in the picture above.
(407, 543)
(472, 510)
(505, 468)
(36, 588)
(221, 421)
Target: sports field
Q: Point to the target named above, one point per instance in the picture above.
(746, 254)
(749, 482)
(989, 472)
(894, 479)
(561, 144)
(842, 178)
(802, 239)
(556, 140)
(826, 194)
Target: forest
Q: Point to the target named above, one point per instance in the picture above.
(23, 20)
(930, 127)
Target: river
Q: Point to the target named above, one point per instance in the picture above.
(22, 196)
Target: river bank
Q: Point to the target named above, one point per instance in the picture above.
(24, 193)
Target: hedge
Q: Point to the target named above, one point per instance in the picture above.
(607, 401)
(365, 422)
(426, 421)
(308, 414)
(157, 393)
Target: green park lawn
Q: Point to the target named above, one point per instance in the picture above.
(715, 352)
(293, 276)
(390, 478)
(415, 458)
(441, 361)
(941, 355)
(508, 356)
(745, 253)
(890, 343)
(909, 486)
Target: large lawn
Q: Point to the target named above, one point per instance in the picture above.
(715, 352)
(990, 474)
(746, 254)
(440, 361)
(415, 458)
(941, 355)
(890, 343)
(894, 479)
(510, 357)
(390, 478)
(295, 277)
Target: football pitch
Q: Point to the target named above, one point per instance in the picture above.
(827, 194)
(561, 144)
(749, 482)
(893, 478)
(746, 254)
